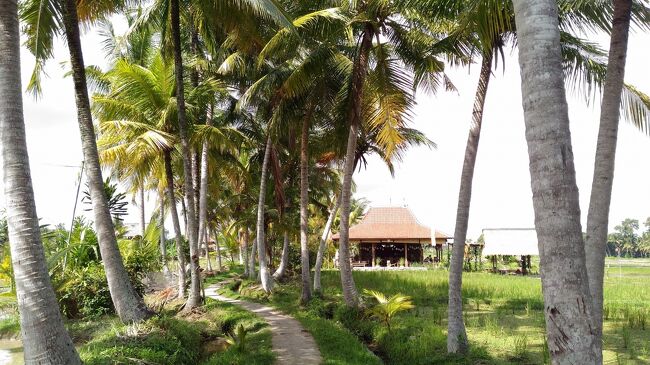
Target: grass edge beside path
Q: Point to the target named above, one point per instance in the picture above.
(336, 344)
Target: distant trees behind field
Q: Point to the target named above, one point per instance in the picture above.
(628, 240)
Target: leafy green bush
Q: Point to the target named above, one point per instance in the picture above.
(84, 292)
(321, 308)
(403, 346)
(356, 321)
(140, 258)
(81, 285)
(238, 338)
(162, 340)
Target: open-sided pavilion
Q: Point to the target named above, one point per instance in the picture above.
(389, 236)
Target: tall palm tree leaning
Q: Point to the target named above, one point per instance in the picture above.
(149, 131)
(585, 69)
(322, 245)
(354, 117)
(194, 296)
(265, 275)
(171, 196)
(304, 207)
(129, 305)
(601, 187)
(45, 339)
(456, 335)
(567, 303)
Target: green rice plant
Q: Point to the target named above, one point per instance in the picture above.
(437, 316)
(477, 304)
(626, 336)
(546, 357)
(480, 321)
(521, 347)
(638, 318)
(492, 326)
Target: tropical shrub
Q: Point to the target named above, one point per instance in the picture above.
(322, 308)
(161, 340)
(356, 321)
(140, 258)
(387, 308)
(237, 338)
(84, 292)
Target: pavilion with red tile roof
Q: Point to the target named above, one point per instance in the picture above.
(387, 236)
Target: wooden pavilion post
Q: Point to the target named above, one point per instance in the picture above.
(406, 255)
(373, 254)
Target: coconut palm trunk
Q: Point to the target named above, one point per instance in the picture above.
(184, 209)
(45, 339)
(163, 239)
(143, 223)
(567, 303)
(265, 276)
(208, 262)
(304, 212)
(321, 247)
(601, 187)
(194, 296)
(456, 335)
(244, 248)
(360, 69)
(218, 248)
(203, 199)
(206, 241)
(128, 304)
(169, 175)
(251, 262)
(196, 189)
(284, 260)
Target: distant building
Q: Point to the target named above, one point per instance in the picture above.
(389, 236)
(511, 242)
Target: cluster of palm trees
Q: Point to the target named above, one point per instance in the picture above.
(203, 100)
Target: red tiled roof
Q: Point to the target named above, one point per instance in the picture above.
(390, 223)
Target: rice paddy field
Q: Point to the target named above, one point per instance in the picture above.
(503, 313)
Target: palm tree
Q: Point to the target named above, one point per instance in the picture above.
(266, 7)
(128, 304)
(489, 26)
(321, 247)
(555, 193)
(194, 297)
(44, 337)
(601, 188)
(161, 223)
(265, 276)
(381, 96)
(284, 260)
(43, 19)
(139, 140)
(307, 86)
(359, 71)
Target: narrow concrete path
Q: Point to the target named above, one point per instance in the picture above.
(292, 344)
